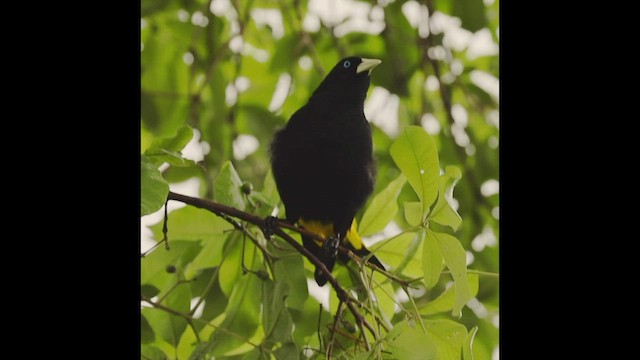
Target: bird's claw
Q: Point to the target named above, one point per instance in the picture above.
(330, 247)
(270, 224)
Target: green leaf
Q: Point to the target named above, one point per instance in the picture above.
(191, 223)
(255, 354)
(431, 260)
(146, 138)
(467, 350)
(227, 187)
(215, 302)
(415, 154)
(242, 317)
(288, 351)
(210, 256)
(183, 135)
(167, 326)
(455, 258)
(400, 252)
(153, 266)
(146, 332)
(447, 299)
(409, 342)
(269, 188)
(290, 269)
(276, 320)
(384, 295)
(230, 268)
(152, 352)
(262, 206)
(383, 208)
(168, 149)
(187, 344)
(180, 300)
(413, 212)
(442, 212)
(174, 158)
(448, 336)
(154, 189)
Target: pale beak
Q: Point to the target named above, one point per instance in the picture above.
(367, 65)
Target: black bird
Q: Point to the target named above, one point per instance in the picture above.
(323, 165)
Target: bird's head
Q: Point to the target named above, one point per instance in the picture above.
(348, 81)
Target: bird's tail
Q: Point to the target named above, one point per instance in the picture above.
(355, 244)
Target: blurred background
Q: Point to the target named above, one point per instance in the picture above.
(235, 71)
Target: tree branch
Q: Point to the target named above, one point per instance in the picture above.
(226, 211)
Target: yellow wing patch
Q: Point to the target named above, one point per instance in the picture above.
(326, 229)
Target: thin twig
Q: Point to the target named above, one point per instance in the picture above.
(190, 318)
(336, 318)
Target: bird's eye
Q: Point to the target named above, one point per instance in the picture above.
(346, 64)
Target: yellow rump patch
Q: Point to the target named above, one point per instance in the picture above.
(326, 229)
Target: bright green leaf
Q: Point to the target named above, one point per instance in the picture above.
(146, 138)
(400, 252)
(269, 188)
(384, 294)
(455, 258)
(230, 269)
(191, 223)
(413, 212)
(168, 149)
(383, 208)
(447, 299)
(443, 212)
(431, 260)
(448, 336)
(187, 343)
(227, 187)
(467, 350)
(409, 342)
(210, 256)
(415, 153)
(154, 189)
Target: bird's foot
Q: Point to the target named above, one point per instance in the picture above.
(330, 247)
(270, 224)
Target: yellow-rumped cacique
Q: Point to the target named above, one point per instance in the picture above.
(323, 165)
